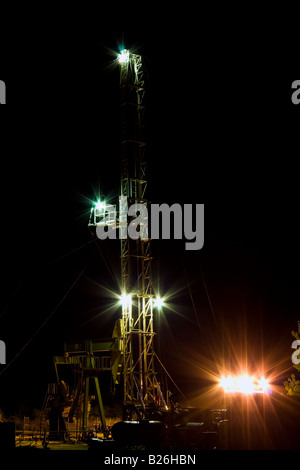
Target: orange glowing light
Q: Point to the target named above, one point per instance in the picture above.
(244, 384)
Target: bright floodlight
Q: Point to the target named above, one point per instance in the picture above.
(123, 57)
(158, 302)
(263, 385)
(99, 209)
(125, 300)
(244, 384)
(227, 383)
(99, 205)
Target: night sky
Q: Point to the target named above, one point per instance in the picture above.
(222, 131)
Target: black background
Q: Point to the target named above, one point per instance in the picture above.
(222, 131)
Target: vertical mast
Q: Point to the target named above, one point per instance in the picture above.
(140, 385)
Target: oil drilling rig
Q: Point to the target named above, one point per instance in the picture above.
(129, 354)
(136, 333)
(141, 386)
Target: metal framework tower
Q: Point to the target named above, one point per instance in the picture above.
(140, 382)
(141, 387)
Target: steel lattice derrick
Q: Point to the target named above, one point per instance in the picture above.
(140, 383)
